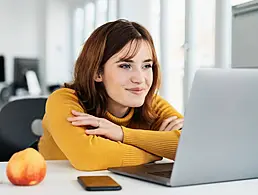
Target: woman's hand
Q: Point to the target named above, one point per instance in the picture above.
(172, 123)
(102, 126)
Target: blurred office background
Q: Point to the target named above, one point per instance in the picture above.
(41, 39)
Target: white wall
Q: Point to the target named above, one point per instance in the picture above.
(38, 29)
(137, 11)
(19, 34)
(244, 35)
(58, 42)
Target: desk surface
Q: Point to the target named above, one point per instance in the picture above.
(61, 179)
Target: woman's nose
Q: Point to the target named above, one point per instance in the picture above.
(137, 77)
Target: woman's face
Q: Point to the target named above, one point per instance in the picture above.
(127, 82)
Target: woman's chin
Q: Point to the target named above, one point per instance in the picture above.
(135, 104)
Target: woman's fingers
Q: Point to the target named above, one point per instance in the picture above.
(78, 118)
(179, 126)
(83, 119)
(76, 113)
(95, 132)
(166, 122)
(176, 124)
(88, 122)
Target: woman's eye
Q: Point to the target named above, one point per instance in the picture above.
(125, 66)
(146, 66)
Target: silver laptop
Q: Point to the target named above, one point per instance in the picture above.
(219, 140)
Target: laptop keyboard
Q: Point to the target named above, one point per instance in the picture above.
(161, 170)
(165, 174)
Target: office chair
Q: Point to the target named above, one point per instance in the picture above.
(20, 125)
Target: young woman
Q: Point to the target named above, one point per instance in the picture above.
(110, 115)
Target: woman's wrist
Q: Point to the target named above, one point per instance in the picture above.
(121, 134)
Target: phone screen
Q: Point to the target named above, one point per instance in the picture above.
(98, 183)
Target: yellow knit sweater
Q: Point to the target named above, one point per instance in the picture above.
(61, 140)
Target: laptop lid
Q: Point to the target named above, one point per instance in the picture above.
(219, 138)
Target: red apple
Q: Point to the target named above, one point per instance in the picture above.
(26, 168)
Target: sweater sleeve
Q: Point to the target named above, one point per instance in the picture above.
(160, 143)
(87, 152)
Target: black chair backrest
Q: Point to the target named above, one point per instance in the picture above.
(16, 121)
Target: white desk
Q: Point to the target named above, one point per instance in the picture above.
(61, 178)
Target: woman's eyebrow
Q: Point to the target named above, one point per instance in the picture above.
(124, 60)
(148, 60)
(131, 61)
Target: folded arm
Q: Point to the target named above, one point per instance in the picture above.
(88, 152)
(161, 143)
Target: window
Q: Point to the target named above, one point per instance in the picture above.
(237, 2)
(89, 15)
(78, 31)
(101, 12)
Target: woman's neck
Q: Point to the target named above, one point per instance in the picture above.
(117, 110)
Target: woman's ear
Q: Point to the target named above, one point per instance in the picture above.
(98, 77)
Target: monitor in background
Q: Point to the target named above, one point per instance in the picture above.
(26, 76)
(2, 69)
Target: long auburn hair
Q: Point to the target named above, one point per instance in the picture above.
(102, 44)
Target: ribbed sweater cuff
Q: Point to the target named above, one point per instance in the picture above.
(136, 157)
(128, 135)
(160, 143)
(130, 158)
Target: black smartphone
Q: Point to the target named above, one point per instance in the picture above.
(98, 183)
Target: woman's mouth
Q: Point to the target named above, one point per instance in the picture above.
(136, 91)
